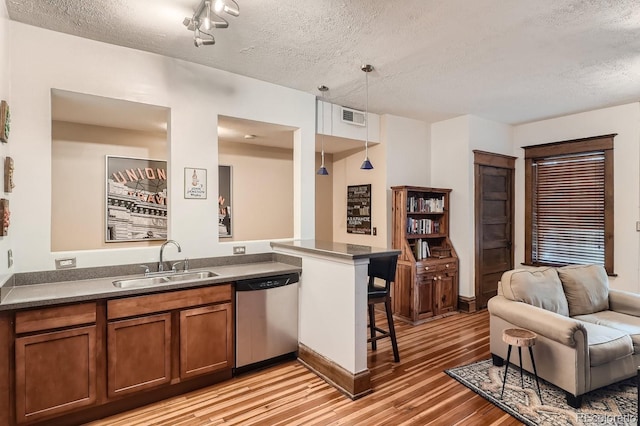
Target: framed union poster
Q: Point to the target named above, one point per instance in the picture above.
(136, 199)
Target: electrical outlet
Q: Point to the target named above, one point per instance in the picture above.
(239, 250)
(9, 258)
(375, 231)
(638, 226)
(66, 263)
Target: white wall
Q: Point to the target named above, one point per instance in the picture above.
(42, 60)
(408, 144)
(625, 121)
(452, 145)
(5, 93)
(329, 122)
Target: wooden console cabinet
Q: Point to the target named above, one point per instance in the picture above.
(426, 283)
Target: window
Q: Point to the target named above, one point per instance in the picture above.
(569, 202)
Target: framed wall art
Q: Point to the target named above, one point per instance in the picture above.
(359, 209)
(195, 183)
(136, 199)
(5, 214)
(5, 121)
(224, 201)
(8, 174)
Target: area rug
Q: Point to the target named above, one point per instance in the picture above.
(613, 405)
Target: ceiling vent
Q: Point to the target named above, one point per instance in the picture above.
(353, 116)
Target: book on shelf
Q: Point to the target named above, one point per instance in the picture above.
(425, 205)
(422, 226)
(421, 249)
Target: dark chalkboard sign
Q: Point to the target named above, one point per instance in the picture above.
(359, 209)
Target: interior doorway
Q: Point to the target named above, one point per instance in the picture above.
(494, 212)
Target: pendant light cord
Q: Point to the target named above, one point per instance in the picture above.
(366, 116)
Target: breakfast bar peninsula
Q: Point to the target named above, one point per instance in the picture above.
(332, 325)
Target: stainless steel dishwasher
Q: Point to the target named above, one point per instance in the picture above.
(266, 321)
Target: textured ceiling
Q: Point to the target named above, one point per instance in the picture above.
(509, 61)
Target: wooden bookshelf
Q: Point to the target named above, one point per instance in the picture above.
(426, 283)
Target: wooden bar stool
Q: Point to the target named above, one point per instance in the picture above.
(383, 268)
(520, 337)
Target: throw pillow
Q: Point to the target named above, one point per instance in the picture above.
(539, 287)
(586, 288)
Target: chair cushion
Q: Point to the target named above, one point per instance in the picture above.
(539, 287)
(606, 344)
(586, 288)
(628, 324)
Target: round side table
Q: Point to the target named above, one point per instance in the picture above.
(520, 338)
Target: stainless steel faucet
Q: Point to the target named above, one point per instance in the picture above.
(161, 263)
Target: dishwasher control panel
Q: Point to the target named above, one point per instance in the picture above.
(267, 282)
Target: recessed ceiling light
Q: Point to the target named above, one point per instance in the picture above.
(249, 136)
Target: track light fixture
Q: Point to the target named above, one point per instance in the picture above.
(322, 170)
(199, 41)
(207, 16)
(366, 164)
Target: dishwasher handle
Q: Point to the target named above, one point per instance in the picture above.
(266, 283)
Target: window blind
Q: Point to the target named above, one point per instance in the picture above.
(568, 214)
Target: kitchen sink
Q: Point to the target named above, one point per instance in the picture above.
(164, 279)
(191, 276)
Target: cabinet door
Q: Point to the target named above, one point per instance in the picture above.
(55, 372)
(139, 354)
(445, 299)
(424, 296)
(206, 340)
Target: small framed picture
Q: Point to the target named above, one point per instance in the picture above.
(195, 183)
(5, 121)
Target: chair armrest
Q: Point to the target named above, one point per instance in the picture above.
(624, 302)
(553, 326)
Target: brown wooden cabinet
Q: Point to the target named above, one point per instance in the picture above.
(73, 363)
(161, 339)
(426, 283)
(206, 340)
(138, 353)
(55, 370)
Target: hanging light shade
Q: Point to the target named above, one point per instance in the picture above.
(322, 170)
(366, 164)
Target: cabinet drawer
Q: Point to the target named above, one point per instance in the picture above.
(56, 317)
(140, 305)
(428, 268)
(422, 279)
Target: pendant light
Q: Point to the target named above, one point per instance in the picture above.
(366, 164)
(322, 170)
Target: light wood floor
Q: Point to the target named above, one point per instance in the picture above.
(415, 391)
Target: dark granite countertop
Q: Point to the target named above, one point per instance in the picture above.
(51, 293)
(338, 250)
